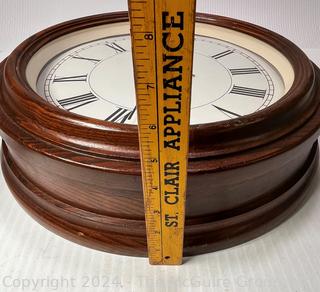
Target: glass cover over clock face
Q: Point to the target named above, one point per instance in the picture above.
(95, 79)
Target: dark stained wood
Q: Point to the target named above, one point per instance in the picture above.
(81, 177)
(92, 136)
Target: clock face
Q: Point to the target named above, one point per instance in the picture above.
(95, 79)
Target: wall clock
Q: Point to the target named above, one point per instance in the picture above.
(70, 143)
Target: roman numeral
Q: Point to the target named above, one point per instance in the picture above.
(116, 47)
(121, 115)
(78, 78)
(245, 71)
(86, 59)
(230, 114)
(77, 101)
(222, 54)
(248, 91)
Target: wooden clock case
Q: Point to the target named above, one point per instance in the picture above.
(81, 177)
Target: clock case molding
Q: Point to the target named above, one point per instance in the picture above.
(81, 177)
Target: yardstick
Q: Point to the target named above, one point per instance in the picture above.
(162, 34)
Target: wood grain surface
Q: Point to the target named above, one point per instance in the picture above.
(81, 177)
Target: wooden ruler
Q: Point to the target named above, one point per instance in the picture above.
(162, 33)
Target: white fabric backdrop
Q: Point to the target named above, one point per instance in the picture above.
(285, 260)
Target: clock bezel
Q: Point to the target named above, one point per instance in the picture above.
(96, 137)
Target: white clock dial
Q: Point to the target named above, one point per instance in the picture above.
(95, 79)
